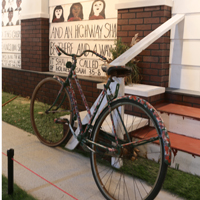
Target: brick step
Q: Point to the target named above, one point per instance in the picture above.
(185, 144)
(178, 142)
(181, 119)
(180, 110)
(186, 150)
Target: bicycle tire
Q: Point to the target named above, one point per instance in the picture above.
(48, 132)
(135, 173)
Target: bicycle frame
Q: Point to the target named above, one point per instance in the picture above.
(82, 136)
(68, 85)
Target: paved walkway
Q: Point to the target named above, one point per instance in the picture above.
(69, 171)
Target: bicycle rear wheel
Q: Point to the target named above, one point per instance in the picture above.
(43, 120)
(136, 171)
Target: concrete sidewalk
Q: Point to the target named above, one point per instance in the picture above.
(68, 170)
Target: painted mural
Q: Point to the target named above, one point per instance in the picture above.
(11, 33)
(78, 26)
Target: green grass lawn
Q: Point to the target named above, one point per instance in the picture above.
(177, 182)
(17, 112)
(6, 97)
(18, 193)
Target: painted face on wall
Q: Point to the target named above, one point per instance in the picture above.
(97, 7)
(58, 13)
(10, 16)
(3, 4)
(18, 2)
(76, 10)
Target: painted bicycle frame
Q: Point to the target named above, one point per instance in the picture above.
(84, 135)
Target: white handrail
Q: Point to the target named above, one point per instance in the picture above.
(147, 41)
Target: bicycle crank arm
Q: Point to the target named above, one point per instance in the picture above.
(61, 121)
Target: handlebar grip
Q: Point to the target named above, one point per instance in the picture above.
(58, 50)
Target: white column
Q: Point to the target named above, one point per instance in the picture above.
(35, 9)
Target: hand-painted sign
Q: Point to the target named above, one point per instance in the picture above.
(103, 30)
(77, 47)
(79, 26)
(11, 60)
(11, 33)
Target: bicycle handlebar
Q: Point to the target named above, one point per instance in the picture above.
(60, 51)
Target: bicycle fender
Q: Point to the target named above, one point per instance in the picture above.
(163, 131)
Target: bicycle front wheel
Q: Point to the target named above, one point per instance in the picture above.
(137, 170)
(47, 116)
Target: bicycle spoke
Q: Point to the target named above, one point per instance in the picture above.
(126, 188)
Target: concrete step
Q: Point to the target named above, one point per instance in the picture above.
(82, 115)
(181, 119)
(128, 119)
(138, 121)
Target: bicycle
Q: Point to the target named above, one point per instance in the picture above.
(128, 142)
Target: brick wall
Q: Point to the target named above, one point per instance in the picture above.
(154, 61)
(183, 99)
(35, 44)
(23, 82)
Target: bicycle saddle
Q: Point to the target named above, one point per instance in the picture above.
(118, 71)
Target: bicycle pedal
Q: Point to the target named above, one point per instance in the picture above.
(61, 121)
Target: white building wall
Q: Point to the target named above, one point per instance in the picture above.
(35, 9)
(185, 47)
